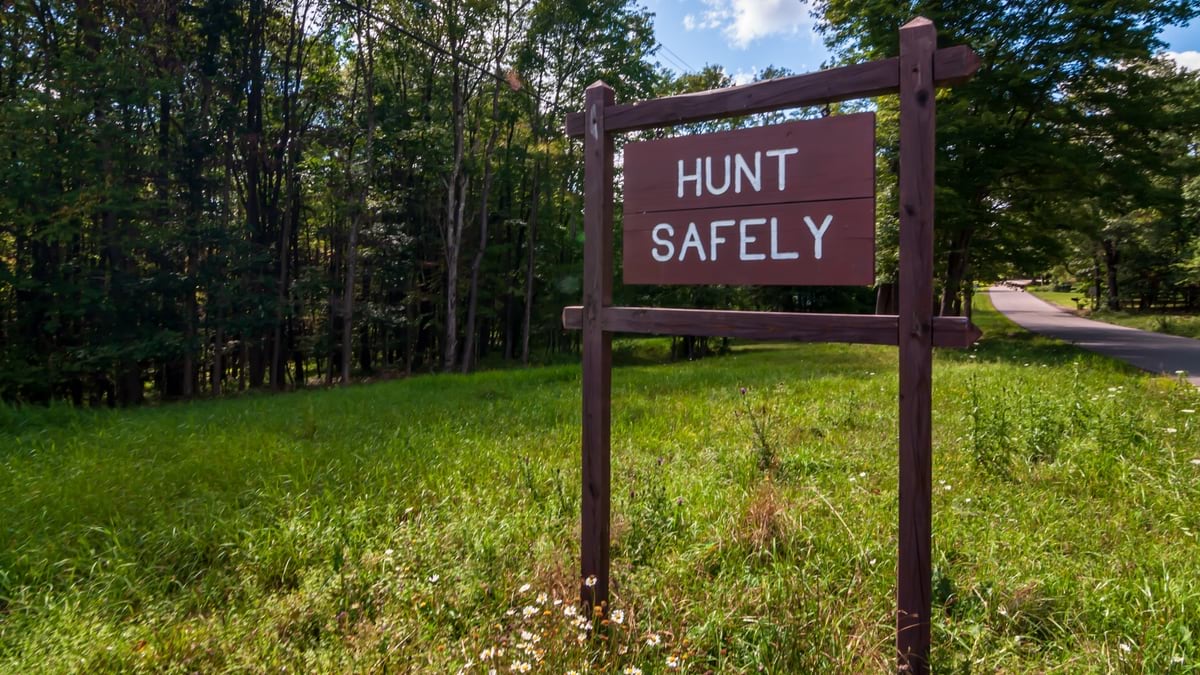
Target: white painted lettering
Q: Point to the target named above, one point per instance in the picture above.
(714, 238)
(683, 178)
(708, 176)
(743, 169)
(781, 153)
(746, 239)
(691, 240)
(669, 251)
(776, 254)
(817, 233)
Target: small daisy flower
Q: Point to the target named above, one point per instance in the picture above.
(541, 598)
(617, 616)
(590, 581)
(653, 640)
(570, 610)
(672, 662)
(433, 578)
(529, 611)
(632, 670)
(523, 589)
(521, 667)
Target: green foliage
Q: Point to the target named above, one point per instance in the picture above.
(1065, 125)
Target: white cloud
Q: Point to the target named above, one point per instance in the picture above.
(743, 77)
(744, 21)
(1189, 60)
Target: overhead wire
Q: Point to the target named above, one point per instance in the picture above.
(687, 67)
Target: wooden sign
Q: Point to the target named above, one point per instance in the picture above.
(789, 204)
(742, 207)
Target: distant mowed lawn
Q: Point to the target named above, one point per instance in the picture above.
(431, 524)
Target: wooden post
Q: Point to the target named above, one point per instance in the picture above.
(918, 40)
(597, 344)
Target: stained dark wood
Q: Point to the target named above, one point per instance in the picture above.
(915, 73)
(918, 40)
(597, 347)
(873, 329)
(847, 245)
(827, 158)
(862, 80)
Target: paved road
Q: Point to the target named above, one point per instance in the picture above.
(1155, 352)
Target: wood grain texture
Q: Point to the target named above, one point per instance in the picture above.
(777, 232)
(918, 39)
(862, 80)
(873, 329)
(828, 158)
(597, 348)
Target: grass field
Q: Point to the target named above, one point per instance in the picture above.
(1185, 325)
(412, 526)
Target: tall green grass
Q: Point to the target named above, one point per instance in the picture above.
(392, 527)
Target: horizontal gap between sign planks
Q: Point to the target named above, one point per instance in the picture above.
(874, 329)
(952, 65)
(767, 202)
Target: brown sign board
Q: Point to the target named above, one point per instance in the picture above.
(788, 204)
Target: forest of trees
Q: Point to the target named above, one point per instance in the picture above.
(205, 196)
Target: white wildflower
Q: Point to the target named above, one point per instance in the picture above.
(617, 616)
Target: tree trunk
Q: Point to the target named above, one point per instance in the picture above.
(1111, 258)
(468, 355)
(530, 244)
(885, 298)
(455, 196)
(956, 269)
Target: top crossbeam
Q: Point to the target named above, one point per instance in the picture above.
(951, 66)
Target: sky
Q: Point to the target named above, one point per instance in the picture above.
(745, 36)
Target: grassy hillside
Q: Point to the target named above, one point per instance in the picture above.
(394, 527)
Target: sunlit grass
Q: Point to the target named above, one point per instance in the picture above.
(396, 525)
(1172, 323)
